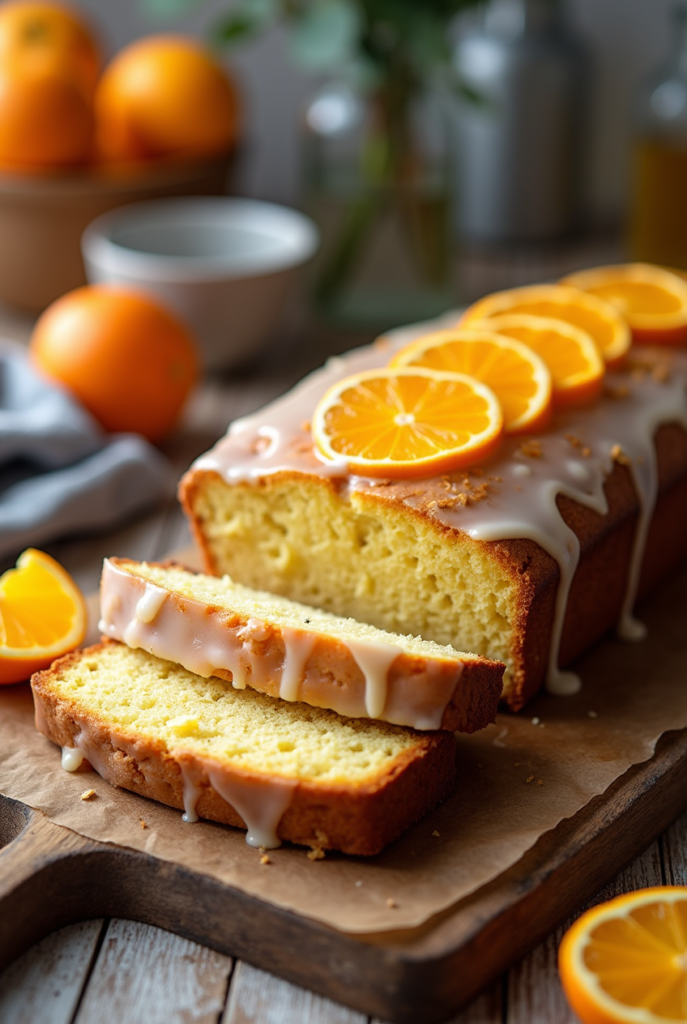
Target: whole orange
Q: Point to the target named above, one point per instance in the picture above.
(128, 360)
(44, 34)
(165, 96)
(46, 119)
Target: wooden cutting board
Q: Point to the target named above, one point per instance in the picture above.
(49, 877)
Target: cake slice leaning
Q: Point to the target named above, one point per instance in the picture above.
(282, 770)
(213, 626)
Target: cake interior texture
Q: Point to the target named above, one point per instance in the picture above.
(147, 698)
(299, 538)
(222, 592)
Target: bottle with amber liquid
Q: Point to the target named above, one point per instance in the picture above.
(658, 221)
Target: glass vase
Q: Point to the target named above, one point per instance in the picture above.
(378, 184)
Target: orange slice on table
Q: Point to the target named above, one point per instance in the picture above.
(407, 422)
(574, 361)
(597, 317)
(652, 299)
(42, 615)
(625, 962)
(517, 376)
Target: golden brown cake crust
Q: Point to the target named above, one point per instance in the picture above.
(472, 706)
(599, 584)
(355, 819)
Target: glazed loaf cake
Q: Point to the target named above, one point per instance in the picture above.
(213, 626)
(526, 559)
(281, 770)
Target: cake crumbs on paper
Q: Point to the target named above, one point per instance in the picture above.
(435, 833)
(531, 448)
(540, 782)
(142, 823)
(317, 853)
(619, 456)
(530, 778)
(592, 714)
(88, 794)
(391, 903)
(265, 859)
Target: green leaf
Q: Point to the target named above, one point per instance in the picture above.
(325, 34)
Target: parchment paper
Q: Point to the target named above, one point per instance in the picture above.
(516, 780)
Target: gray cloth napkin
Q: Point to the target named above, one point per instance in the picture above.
(59, 472)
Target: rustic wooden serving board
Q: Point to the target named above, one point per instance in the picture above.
(49, 877)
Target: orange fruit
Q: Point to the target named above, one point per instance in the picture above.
(576, 366)
(516, 374)
(652, 299)
(597, 317)
(625, 961)
(128, 360)
(165, 96)
(42, 615)
(46, 120)
(407, 422)
(45, 36)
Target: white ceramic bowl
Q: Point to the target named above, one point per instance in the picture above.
(225, 265)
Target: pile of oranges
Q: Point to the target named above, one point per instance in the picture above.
(161, 97)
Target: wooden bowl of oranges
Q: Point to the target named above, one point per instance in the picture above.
(76, 140)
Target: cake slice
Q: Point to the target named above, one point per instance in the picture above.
(282, 770)
(213, 626)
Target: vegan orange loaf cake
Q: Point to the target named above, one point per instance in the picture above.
(213, 626)
(526, 558)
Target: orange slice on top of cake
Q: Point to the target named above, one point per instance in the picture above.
(652, 299)
(407, 422)
(576, 366)
(518, 377)
(582, 309)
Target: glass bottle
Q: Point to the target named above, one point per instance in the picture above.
(658, 217)
(378, 184)
(519, 139)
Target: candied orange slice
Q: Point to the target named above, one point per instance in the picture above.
(597, 317)
(576, 366)
(652, 299)
(517, 376)
(42, 615)
(407, 422)
(625, 962)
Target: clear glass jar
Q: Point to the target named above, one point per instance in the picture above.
(378, 184)
(658, 219)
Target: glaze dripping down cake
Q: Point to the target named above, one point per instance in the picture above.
(526, 558)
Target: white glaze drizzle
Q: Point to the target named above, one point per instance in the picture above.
(183, 632)
(298, 647)
(150, 603)
(261, 804)
(192, 791)
(374, 661)
(72, 759)
(523, 503)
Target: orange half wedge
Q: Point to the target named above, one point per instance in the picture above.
(518, 376)
(407, 422)
(652, 299)
(596, 316)
(574, 361)
(42, 615)
(625, 961)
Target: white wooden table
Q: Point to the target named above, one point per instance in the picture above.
(98, 972)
